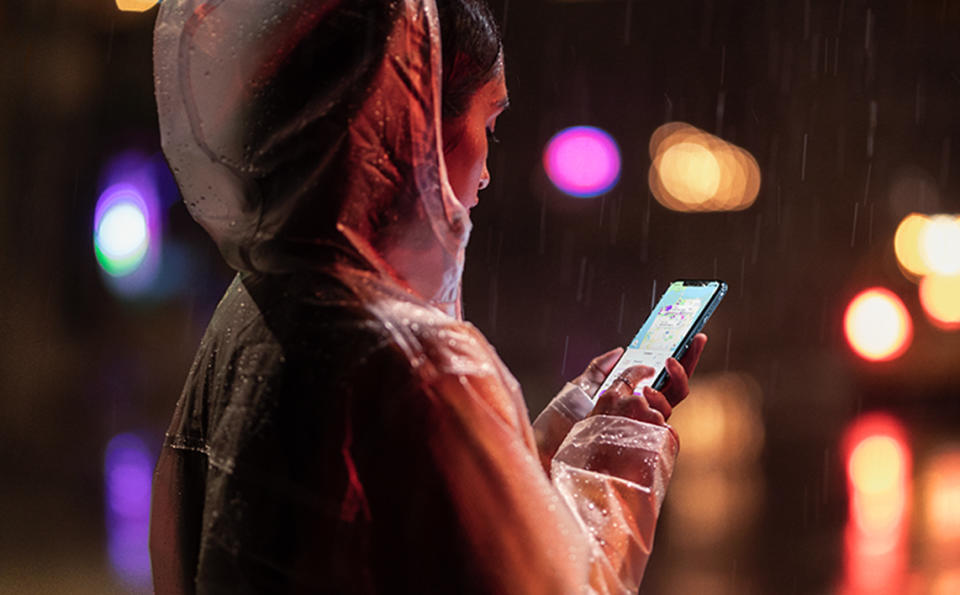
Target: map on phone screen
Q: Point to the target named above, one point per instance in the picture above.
(658, 338)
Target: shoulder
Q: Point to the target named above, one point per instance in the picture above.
(454, 364)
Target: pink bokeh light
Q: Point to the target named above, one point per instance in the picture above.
(582, 161)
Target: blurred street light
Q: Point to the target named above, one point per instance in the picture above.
(907, 241)
(128, 471)
(877, 325)
(879, 487)
(927, 245)
(941, 481)
(582, 161)
(692, 170)
(136, 5)
(940, 298)
(940, 245)
(121, 236)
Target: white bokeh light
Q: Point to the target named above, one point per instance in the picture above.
(877, 325)
(940, 245)
(122, 233)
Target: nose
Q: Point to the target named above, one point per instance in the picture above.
(484, 177)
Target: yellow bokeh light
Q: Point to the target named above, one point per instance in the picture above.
(940, 298)
(928, 245)
(878, 474)
(733, 505)
(669, 134)
(942, 497)
(722, 427)
(722, 432)
(136, 5)
(906, 244)
(940, 245)
(692, 170)
(876, 465)
(877, 470)
(732, 177)
(877, 325)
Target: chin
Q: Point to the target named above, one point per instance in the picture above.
(468, 203)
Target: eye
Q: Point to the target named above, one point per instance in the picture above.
(492, 138)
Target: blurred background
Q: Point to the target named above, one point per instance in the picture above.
(801, 150)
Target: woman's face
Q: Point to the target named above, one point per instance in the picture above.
(466, 140)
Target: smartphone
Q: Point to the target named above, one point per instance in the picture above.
(680, 314)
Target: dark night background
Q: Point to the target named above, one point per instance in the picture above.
(851, 108)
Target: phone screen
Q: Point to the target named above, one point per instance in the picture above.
(679, 315)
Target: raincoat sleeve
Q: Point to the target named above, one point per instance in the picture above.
(555, 421)
(587, 529)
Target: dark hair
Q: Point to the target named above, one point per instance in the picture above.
(471, 51)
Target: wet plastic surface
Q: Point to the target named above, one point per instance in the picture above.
(341, 429)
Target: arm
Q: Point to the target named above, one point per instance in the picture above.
(555, 421)
(588, 529)
(459, 476)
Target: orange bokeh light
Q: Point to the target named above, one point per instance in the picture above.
(927, 245)
(940, 245)
(907, 244)
(136, 5)
(877, 474)
(878, 466)
(940, 298)
(942, 498)
(693, 170)
(877, 325)
(879, 477)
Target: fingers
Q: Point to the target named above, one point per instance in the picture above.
(620, 399)
(600, 366)
(627, 404)
(678, 386)
(634, 374)
(637, 408)
(597, 371)
(624, 384)
(658, 401)
(692, 356)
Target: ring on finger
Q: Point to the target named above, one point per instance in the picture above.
(625, 381)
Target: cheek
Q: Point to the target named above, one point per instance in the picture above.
(465, 164)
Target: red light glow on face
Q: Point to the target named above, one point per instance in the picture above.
(877, 325)
(582, 161)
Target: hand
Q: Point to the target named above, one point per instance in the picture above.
(678, 384)
(619, 399)
(653, 406)
(597, 370)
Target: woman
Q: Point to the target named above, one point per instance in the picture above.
(341, 429)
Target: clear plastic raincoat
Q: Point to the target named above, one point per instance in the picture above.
(342, 430)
